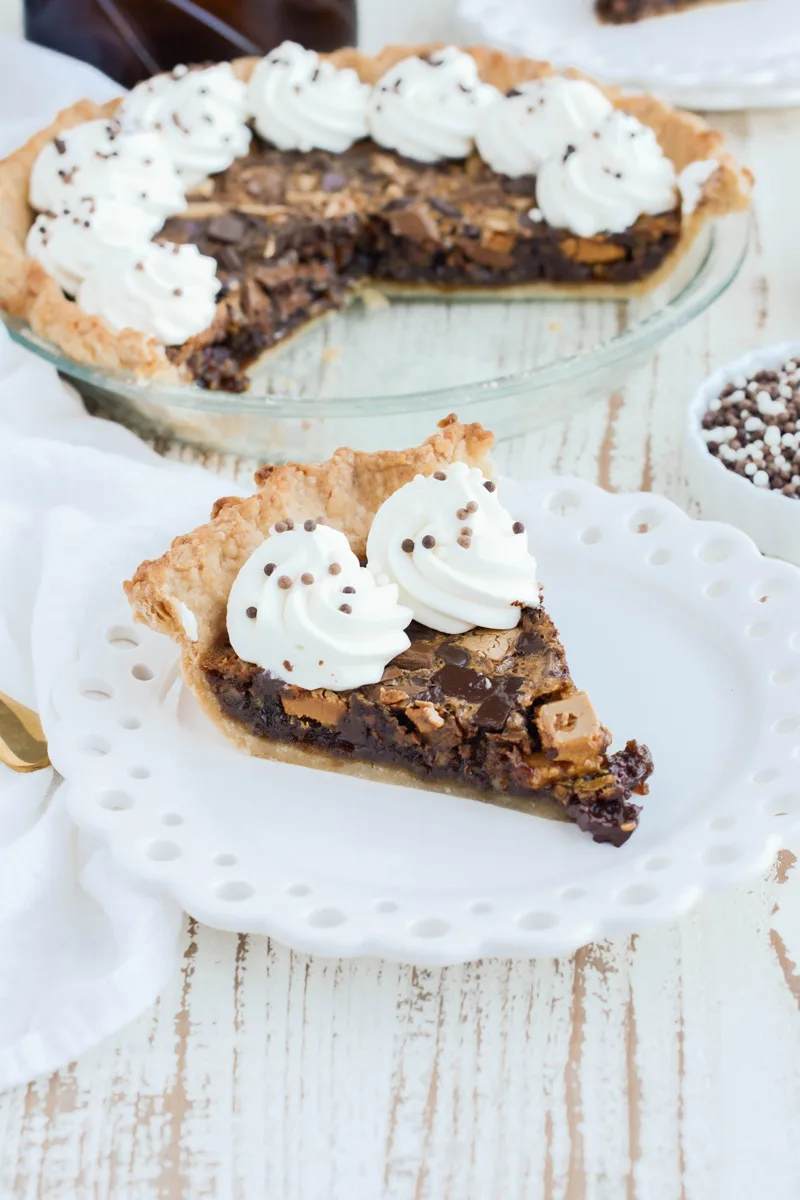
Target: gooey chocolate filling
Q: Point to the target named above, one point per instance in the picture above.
(452, 708)
(295, 234)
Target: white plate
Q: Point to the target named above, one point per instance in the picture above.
(744, 54)
(685, 638)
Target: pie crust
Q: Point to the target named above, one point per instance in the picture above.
(29, 293)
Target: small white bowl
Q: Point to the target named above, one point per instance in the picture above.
(771, 520)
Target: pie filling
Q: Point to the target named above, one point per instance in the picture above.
(295, 235)
(620, 12)
(477, 709)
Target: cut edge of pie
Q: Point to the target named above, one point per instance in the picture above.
(184, 595)
(28, 293)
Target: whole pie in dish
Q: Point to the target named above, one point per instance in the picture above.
(278, 190)
(624, 12)
(378, 614)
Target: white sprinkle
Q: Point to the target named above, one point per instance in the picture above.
(739, 382)
(753, 424)
(710, 435)
(791, 365)
(780, 462)
(750, 468)
(752, 386)
(796, 479)
(736, 397)
(761, 479)
(788, 439)
(715, 406)
(772, 436)
(786, 391)
(535, 214)
(725, 451)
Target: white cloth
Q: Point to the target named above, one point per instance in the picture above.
(82, 501)
(82, 951)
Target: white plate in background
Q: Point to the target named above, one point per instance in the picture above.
(736, 54)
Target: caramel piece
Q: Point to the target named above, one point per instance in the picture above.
(587, 250)
(321, 705)
(571, 728)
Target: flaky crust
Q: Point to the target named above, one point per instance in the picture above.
(347, 490)
(27, 292)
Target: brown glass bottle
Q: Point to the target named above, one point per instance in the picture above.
(133, 39)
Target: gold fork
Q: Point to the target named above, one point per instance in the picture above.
(22, 742)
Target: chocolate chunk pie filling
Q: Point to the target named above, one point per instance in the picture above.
(397, 635)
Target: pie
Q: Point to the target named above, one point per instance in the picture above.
(623, 12)
(488, 713)
(294, 235)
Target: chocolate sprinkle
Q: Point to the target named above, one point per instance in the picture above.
(350, 591)
(490, 487)
(60, 145)
(345, 608)
(472, 507)
(309, 526)
(429, 541)
(439, 475)
(307, 577)
(334, 569)
(407, 545)
(269, 568)
(518, 527)
(281, 527)
(284, 582)
(465, 542)
(287, 665)
(252, 611)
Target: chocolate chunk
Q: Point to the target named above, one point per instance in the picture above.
(415, 224)
(463, 683)
(453, 654)
(523, 185)
(494, 711)
(445, 207)
(332, 181)
(228, 228)
(396, 204)
(419, 654)
(60, 145)
(229, 258)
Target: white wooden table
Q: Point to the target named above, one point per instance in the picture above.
(659, 1067)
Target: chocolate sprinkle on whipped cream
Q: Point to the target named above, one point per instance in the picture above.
(753, 428)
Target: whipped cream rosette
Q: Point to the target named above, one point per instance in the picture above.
(429, 108)
(100, 159)
(70, 244)
(301, 102)
(304, 609)
(167, 291)
(536, 120)
(200, 115)
(458, 557)
(608, 180)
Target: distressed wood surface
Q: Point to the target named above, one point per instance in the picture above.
(659, 1067)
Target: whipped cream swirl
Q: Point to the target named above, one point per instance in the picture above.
(692, 181)
(536, 120)
(429, 108)
(605, 182)
(302, 103)
(458, 557)
(304, 609)
(101, 159)
(165, 290)
(72, 243)
(199, 114)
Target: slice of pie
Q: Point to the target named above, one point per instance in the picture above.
(624, 12)
(331, 670)
(310, 181)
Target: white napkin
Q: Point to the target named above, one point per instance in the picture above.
(82, 501)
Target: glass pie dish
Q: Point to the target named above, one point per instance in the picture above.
(378, 375)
